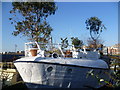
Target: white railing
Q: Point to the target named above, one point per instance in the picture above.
(40, 51)
(42, 47)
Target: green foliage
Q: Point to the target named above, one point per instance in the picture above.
(64, 43)
(76, 42)
(29, 19)
(116, 70)
(94, 24)
(114, 74)
(100, 80)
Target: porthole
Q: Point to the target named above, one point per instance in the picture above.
(49, 69)
(69, 71)
(80, 57)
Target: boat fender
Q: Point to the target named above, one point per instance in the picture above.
(55, 55)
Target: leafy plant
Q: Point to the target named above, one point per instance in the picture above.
(114, 75)
(76, 42)
(95, 26)
(64, 43)
(116, 70)
(29, 19)
(96, 45)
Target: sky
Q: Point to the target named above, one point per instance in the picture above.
(68, 21)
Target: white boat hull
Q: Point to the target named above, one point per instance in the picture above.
(45, 74)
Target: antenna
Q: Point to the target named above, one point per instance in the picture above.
(15, 47)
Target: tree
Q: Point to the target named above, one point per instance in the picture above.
(94, 24)
(29, 19)
(64, 43)
(76, 42)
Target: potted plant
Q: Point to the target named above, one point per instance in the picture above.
(33, 50)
